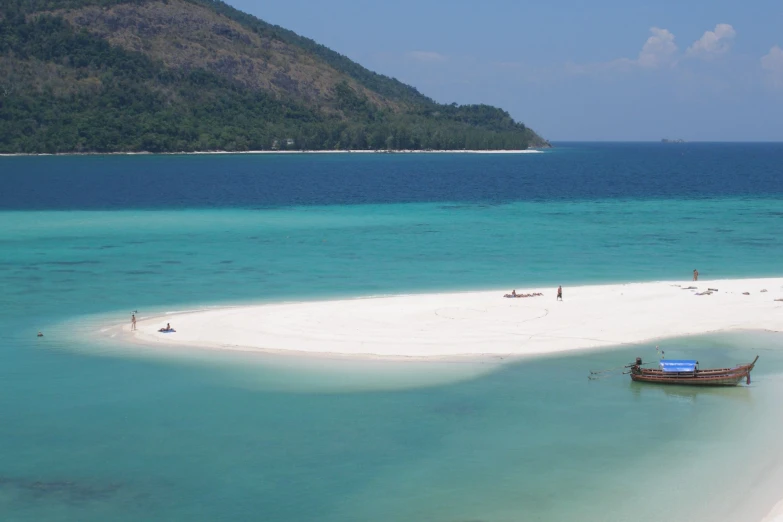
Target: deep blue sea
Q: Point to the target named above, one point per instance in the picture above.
(98, 432)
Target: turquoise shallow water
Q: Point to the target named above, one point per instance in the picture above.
(149, 258)
(96, 432)
(101, 438)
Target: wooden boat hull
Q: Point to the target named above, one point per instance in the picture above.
(726, 380)
(711, 377)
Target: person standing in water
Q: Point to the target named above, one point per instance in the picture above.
(133, 321)
(559, 293)
(695, 275)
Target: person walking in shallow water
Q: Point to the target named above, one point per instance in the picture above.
(559, 293)
(133, 321)
(695, 275)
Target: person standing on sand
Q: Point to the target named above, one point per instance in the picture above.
(559, 293)
(133, 321)
(695, 275)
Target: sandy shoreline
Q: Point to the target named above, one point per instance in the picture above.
(776, 515)
(212, 152)
(475, 323)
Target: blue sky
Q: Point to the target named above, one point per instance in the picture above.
(572, 70)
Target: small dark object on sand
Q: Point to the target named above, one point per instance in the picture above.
(534, 294)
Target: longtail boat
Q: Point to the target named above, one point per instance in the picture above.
(687, 372)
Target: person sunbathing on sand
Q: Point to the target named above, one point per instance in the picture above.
(167, 329)
(515, 294)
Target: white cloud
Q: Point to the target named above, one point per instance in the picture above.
(772, 63)
(659, 49)
(713, 43)
(426, 56)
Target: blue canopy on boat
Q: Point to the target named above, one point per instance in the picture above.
(673, 365)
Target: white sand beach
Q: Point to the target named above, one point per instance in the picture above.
(221, 152)
(776, 515)
(478, 323)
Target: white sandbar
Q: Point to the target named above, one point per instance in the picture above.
(478, 323)
(776, 515)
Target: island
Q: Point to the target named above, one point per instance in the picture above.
(81, 76)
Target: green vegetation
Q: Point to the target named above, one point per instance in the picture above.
(65, 88)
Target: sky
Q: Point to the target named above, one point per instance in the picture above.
(607, 70)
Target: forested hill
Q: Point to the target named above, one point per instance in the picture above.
(185, 75)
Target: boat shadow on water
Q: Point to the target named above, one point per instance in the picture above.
(691, 394)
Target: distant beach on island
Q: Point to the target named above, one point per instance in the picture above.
(523, 151)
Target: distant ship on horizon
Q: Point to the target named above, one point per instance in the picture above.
(667, 140)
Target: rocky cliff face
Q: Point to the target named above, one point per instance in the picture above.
(186, 36)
